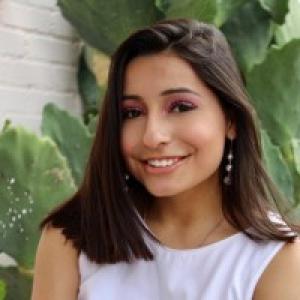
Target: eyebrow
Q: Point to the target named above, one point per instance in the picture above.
(164, 93)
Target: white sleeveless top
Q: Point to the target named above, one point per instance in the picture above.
(225, 270)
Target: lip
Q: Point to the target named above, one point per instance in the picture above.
(164, 170)
(164, 157)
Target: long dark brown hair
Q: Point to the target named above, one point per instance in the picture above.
(101, 218)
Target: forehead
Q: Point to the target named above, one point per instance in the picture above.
(160, 71)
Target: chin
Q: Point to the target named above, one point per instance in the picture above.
(163, 191)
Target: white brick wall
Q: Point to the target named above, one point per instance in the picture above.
(38, 61)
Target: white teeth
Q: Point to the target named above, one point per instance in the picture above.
(162, 162)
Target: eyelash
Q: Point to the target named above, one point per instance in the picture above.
(130, 110)
(183, 104)
(187, 106)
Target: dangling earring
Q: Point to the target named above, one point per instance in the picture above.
(228, 167)
(126, 177)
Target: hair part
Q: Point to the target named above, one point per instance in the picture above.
(101, 218)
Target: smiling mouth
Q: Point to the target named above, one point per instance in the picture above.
(165, 162)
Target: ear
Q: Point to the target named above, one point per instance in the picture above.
(230, 130)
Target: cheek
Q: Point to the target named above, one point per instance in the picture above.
(128, 142)
(207, 137)
(125, 145)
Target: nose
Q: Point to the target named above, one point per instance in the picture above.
(156, 133)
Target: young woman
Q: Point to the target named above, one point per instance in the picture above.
(175, 202)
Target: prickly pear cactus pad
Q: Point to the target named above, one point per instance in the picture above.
(204, 10)
(277, 167)
(249, 32)
(34, 177)
(276, 8)
(2, 290)
(89, 90)
(17, 284)
(296, 148)
(72, 137)
(291, 28)
(104, 24)
(274, 89)
(92, 124)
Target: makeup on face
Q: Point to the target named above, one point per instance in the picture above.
(173, 126)
(179, 100)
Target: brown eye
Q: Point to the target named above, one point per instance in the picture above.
(182, 106)
(131, 113)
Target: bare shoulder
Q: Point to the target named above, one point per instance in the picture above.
(280, 280)
(56, 274)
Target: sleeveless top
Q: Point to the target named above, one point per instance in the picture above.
(228, 269)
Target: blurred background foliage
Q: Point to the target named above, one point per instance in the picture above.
(37, 173)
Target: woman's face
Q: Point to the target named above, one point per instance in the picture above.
(174, 129)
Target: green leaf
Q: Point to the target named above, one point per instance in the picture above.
(92, 124)
(18, 284)
(291, 28)
(162, 5)
(296, 152)
(98, 63)
(89, 90)
(295, 144)
(290, 153)
(105, 24)
(6, 124)
(277, 8)
(225, 8)
(202, 10)
(277, 166)
(2, 290)
(274, 89)
(71, 136)
(249, 33)
(34, 177)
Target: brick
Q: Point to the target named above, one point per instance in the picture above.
(12, 43)
(61, 27)
(25, 17)
(50, 4)
(31, 18)
(52, 50)
(33, 101)
(37, 75)
(38, 59)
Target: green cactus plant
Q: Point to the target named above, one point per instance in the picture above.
(277, 166)
(198, 9)
(225, 10)
(274, 89)
(92, 124)
(291, 28)
(34, 177)
(71, 136)
(249, 32)
(2, 290)
(90, 92)
(276, 8)
(17, 283)
(104, 24)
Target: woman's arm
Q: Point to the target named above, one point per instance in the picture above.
(56, 275)
(281, 279)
